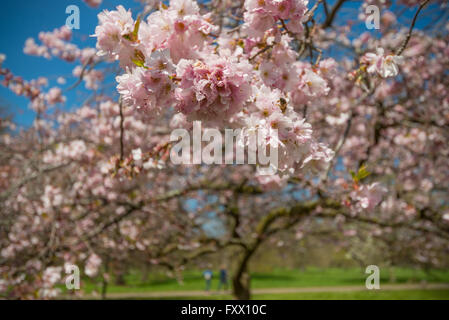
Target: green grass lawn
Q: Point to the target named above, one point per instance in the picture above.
(285, 278)
(357, 295)
(363, 295)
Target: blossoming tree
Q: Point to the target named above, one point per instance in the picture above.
(359, 123)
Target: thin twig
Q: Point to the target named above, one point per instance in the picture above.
(234, 29)
(84, 70)
(326, 10)
(309, 13)
(320, 53)
(409, 34)
(286, 29)
(261, 51)
(345, 134)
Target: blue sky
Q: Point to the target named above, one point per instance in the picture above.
(22, 19)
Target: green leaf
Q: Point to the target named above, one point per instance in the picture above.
(361, 174)
(139, 58)
(352, 174)
(138, 63)
(136, 27)
(133, 36)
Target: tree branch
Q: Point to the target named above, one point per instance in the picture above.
(409, 34)
(330, 18)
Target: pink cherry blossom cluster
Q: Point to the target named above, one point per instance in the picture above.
(91, 78)
(296, 147)
(213, 90)
(366, 197)
(170, 61)
(21, 87)
(57, 44)
(111, 32)
(33, 90)
(262, 16)
(54, 95)
(51, 198)
(50, 277)
(178, 27)
(54, 43)
(74, 150)
(149, 89)
(301, 80)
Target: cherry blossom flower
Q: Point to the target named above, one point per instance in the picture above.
(93, 3)
(50, 277)
(318, 159)
(113, 26)
(54, 96)
(366, 197)
(385, 65)
(2, 58)
(92, 265)
(137, 154)
(446, 217)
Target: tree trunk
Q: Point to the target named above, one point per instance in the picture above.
(145, 273)
(241, 279)
(105, 280)
(104, 288)
(392, 275)
(120, 279)
(241, 287)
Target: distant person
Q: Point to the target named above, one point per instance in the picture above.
(223, 279)
(207, 274)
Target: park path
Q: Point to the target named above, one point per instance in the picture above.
(197, 293)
